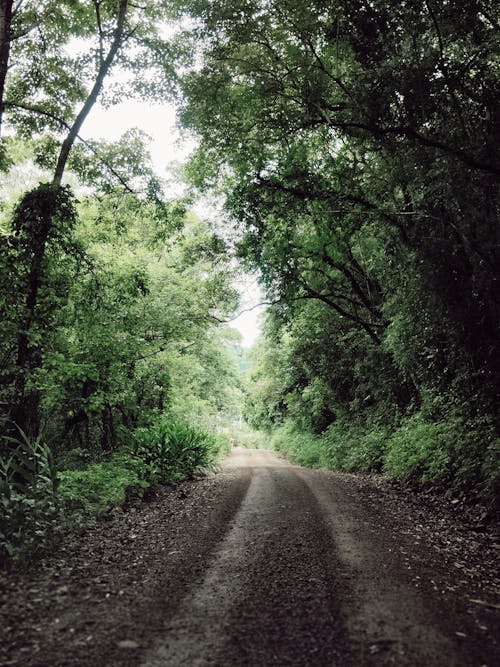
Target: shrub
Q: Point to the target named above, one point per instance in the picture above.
(161, 453)
(33, 494)
(451, 452)
(248, 438)
(222, 445)
(355, 447)
(423, 451)
(101, 486)
(341, 447)
(171, 450)
(300, 446)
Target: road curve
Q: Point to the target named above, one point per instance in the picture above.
(301, 578)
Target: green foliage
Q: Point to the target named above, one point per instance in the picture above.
(28, 493)
(422, 451)
(302, 447)
(355, 447)
(109, 305)
(449, 452)
(164, 452)
(341, 447)
(99, 487)
(356, 158)
(173, 451)
(61, 79)
(249, 438)
(36, 499)
(117, 338)
(222, 446)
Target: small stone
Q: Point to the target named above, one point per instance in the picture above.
(128, 643)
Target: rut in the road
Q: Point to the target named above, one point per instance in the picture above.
(296, 581)
(267, 597)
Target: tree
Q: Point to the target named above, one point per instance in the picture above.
(355, 142)
(64, 89)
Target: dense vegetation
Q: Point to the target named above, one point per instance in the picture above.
(356, 144)
(114, 366)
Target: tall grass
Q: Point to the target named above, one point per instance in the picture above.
(28, 492)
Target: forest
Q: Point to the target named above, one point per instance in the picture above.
(352, 146)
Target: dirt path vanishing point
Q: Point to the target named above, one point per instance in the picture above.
(263, 564)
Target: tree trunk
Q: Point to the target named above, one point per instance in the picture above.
(104, 68)
(5, 39)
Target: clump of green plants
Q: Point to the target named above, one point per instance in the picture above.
(340, 447)
(421, 451)
(35, 497)
(163, 452)
(101, 486)
(222, 445)
(451, 452)
(28, 493)
(302, 447)
(354, 447)
(247, 437)
(171, 450)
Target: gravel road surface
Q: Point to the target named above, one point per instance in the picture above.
(263, 564)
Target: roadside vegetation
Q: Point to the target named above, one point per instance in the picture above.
(356, 143)
(116, 369)
(133, 372)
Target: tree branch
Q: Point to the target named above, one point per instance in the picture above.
(405, 131)
(65, 124)
(97, 6)
(93, 95)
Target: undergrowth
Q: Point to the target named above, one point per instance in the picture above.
(28, 493)
(447, 454)
(248, 438)
(36, 499)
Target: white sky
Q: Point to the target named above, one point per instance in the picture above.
(167, 148)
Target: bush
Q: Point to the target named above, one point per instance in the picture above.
(161, 453)
(422, 451)
(341, 447)
(33, 494)
(462, 455)
(449, 453)
(222, 445)
(355, 447)
(301, 447)
(172, 451)
(248, 438)
(28, 493)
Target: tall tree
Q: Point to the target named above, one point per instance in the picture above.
(357, 142)
(58, 92)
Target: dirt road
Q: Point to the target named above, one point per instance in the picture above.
(264, 564)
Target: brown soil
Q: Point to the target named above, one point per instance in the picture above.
(263, 564)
